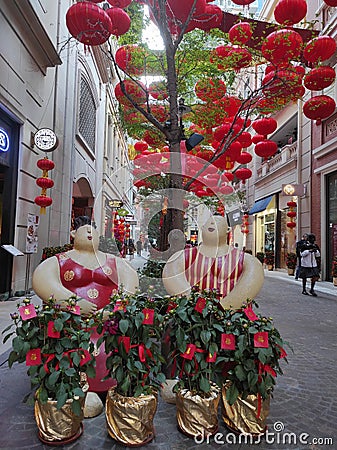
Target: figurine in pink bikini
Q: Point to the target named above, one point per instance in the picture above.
(90, 274)
(215, 265)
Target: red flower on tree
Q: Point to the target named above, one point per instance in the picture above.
(250, 313)
(227, 341)
(51, 331)
(27, 312)
(200, 305)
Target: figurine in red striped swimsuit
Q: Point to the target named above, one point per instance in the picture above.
(215, 265)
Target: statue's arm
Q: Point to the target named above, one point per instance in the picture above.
(46, 282)
(174, 278)
(248, 285)
(127, 276)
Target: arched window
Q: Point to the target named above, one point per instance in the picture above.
(87, 115)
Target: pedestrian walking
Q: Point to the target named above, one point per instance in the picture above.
(139, 247)
(299, 245)
(309, 268)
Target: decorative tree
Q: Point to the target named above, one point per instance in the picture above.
(206, 52)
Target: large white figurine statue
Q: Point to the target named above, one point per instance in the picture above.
(215, 265)
(90, 274)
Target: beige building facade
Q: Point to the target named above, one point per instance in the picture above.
(50, 81)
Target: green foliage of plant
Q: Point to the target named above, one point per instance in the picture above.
(150, 278)
(334, 267)
(55, 344)
(291, 260)
(133, 346)
(47, 252)
(249, 367)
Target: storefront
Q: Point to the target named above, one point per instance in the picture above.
(331, 231)
(9, 150)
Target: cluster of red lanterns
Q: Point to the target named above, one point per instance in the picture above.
(291, 214)
(92, 25)
(121, 229)
(44, 183)
(245, 224)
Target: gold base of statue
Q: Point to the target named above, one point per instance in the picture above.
(130, 419)
(242, 416)
(197, 415)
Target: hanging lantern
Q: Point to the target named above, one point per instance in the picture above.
(158, 90)
(319, 108)
(240, 33)
(44, 183)
(265, 126)
(265, 148)
(141, 146)
(118, 3)
(245, 224)
(243, 2)
(289, 12)
(257, 138)
(88, 23)
(243, 174)
(229, 176)
(226, 190)
(244, 158)
(210, 89)
(130, 58)
(135, 90)
(319, 78)
(330, 2)
(120, 21)
(282, 46)
(211, 18)
(291, 214)
(319, 49)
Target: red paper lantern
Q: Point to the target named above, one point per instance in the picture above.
(282, 46)
(136, 90)
(257, 138)
(243, 2)
(229, 176)
(43, 201)
(211, 18)
(319, 78)
(210, 89)
(157, 90)
(265, 148)
(289, 12)
(119, 3)
(245, 138)
(243, 174)
(330, 2)
(319, 108)
(141, 146)
(226, 190)
(319, 49)
(292, 204)
(45, 182)
(88, 23)
(244, 158)
(130, 58)
(45, 164)
(291, 214)
(291, 224)
(181, 10)
(120, 21)
(240, 33)
(154, 138)
(265, 126)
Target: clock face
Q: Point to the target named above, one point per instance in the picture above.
(45, 139)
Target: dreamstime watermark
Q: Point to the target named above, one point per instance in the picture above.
(276, 435)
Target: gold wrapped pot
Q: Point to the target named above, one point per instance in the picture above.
(58, 426)
(198, 414)
(243, 417)
(130, 419)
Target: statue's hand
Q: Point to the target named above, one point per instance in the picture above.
(87, 308)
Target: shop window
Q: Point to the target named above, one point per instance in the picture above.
(87, 115)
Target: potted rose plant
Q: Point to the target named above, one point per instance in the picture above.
(55, 345)
(252, 348)
(132, 328)
(195, 325)
(291, 262)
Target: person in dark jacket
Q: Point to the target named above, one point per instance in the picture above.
(299, 245)
(309, 267)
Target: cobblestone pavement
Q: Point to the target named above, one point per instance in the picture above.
(304, 403)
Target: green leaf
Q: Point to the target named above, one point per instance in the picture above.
(123, 325)
(218, 327)
(7, 337)
(12, 358)
(232, 394)
(240, 372)
(61, 400)
(204, 384)
(205, 336)
(43, 395)
(58, 324)
(78, 391)
(252, 379)
(91, 372)
(70, 372)
(52, 379)
(76, 407)
(138, 365)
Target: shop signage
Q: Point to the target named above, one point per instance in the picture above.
(4, 141)
(115, 203)
(32, 237)
(291, 189)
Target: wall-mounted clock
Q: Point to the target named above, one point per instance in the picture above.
(46, 140)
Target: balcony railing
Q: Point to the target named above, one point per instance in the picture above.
(287, 153)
